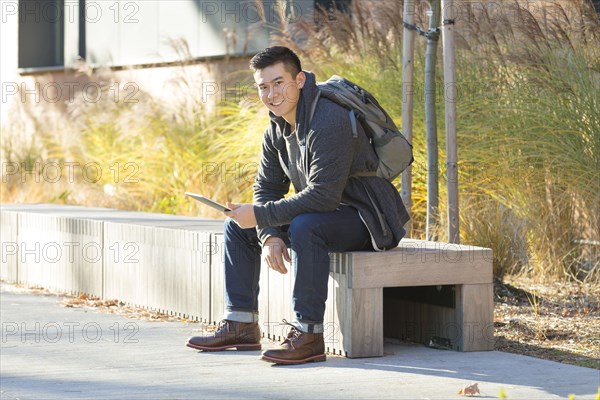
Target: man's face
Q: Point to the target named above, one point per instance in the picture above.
(278, 91)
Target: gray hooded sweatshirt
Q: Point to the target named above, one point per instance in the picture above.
(322, 162)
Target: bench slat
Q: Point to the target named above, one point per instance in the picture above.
(421, 263)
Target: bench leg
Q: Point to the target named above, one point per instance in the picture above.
(475, 316)
(361, 323)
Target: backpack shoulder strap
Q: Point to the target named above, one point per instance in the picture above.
(351, 113)
(313, 107)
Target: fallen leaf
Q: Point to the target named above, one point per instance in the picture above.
(469, 390)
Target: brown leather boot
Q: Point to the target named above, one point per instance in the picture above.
(298, 348)
(229, 334)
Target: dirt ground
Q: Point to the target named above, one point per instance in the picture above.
(556, 321)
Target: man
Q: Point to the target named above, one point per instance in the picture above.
(332, 210)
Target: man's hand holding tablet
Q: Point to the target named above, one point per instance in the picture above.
(242, 214)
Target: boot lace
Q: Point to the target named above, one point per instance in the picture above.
(223, 325)
(293, 335)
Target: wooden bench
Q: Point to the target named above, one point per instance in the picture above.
(372, 295)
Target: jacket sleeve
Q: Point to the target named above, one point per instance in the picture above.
(271, 184)
(329, 153)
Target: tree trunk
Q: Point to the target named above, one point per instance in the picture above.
(450, 93)
(408, 51)
(431, 125)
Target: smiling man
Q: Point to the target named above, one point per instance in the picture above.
(336, 207)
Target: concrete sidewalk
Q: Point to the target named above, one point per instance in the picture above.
(52, 352)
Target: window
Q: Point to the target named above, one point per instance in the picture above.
(41, 33)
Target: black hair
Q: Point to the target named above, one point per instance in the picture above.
(273, 55)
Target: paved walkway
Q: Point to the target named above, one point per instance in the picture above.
(52, 352)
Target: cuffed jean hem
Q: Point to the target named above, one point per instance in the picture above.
(308, 327)
(241, 316)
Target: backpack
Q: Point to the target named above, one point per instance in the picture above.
(393, 150)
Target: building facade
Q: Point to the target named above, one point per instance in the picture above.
(45, 44)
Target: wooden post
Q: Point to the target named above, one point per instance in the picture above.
(408, 50)
(430, 121)
(450, 95)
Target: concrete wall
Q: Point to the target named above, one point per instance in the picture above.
(158, 261)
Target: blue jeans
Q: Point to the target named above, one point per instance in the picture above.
(310, 237)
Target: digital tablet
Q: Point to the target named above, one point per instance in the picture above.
(208, 202)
